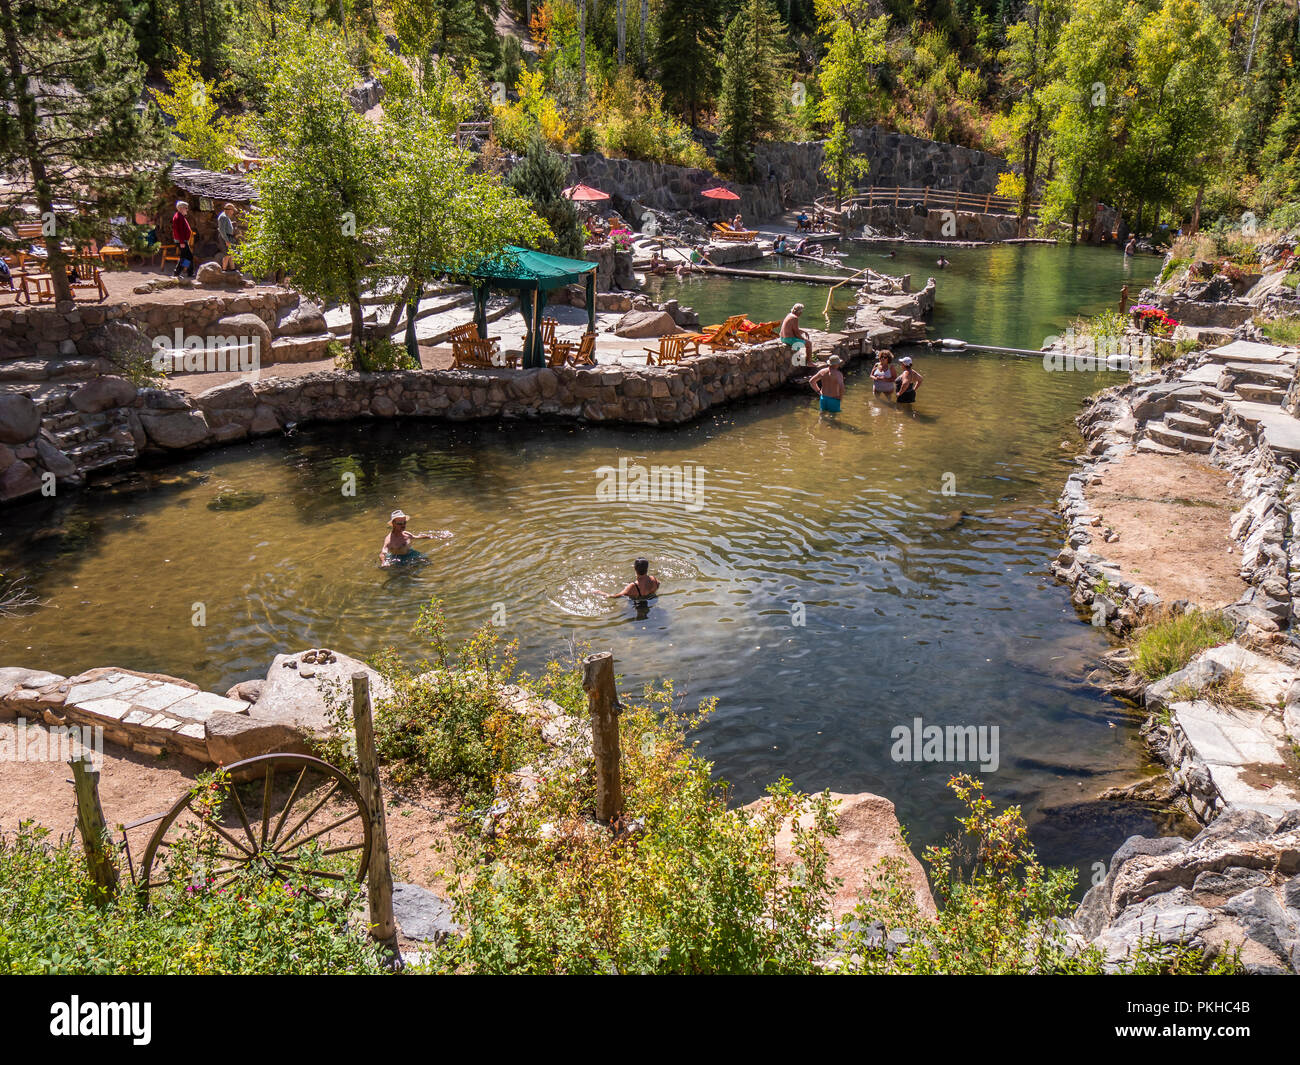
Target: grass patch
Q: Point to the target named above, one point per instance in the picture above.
(1165, 646)
(1281, 330)
(1229, 690)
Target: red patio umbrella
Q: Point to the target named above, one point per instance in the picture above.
(719, 193)
(584, 194)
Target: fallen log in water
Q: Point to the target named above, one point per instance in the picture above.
(782, 275)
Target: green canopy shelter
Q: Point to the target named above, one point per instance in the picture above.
(534, 276)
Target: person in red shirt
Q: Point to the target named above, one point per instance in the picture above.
(183, 234)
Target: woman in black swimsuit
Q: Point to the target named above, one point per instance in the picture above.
(643, 587)
(908, 381)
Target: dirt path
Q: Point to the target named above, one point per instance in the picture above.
(1173, 517)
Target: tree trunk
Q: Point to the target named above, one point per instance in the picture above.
(1196, 210)
(412, 309)
(582, 41)
(1078, 197)
(29, 129)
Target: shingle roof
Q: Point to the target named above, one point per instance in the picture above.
(209, 183)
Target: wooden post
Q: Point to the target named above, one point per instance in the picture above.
(926, 201)
(379, 874)
(602, 703)
(94, 832)
(987, 201)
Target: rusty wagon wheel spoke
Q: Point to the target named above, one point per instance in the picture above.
(287, 783)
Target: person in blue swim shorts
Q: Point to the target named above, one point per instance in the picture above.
(828, 383)
(794, 337)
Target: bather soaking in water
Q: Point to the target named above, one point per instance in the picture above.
(397, 544)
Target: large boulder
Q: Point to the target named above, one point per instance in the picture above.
(18, 480)
(231, 738)
(1236, 886)
(302, 689)
(176, 430)
(868, 832)
(20, 420)
(104, 392)
(640, 324)
(54, 460)
(304, 317)
(242, 329)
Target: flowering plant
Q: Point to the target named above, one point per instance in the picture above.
(1153, 320)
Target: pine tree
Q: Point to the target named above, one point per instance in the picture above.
(540, 176)
(457, 31)
(70, 129)
(689, 31)
(752, 79)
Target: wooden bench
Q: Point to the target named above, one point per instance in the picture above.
(474, 352)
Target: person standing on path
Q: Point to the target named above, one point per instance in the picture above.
(183, 235)
(226, 235)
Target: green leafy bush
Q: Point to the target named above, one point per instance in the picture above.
(450, 721)
(685, 886)
(1000, 911)
(50, 922)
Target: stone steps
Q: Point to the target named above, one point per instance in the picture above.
(106, 464)
(1260, 373)
(1257, 393)
(1281, 431)
(1150, 447)
(1209, 412)
(1190, 423)
(68, 438)
(1171, 437)
(85, 454)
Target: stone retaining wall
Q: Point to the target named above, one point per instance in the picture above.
(31, 335)
(896, 160)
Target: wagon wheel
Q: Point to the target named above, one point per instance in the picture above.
(294, 811)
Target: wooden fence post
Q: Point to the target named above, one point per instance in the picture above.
(379, 875)
(602, 703)
(94, 832)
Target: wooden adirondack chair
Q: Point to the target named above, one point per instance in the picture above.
(586, 353)
(668, 353)
(467, 332)
(88, 277)
(723, 231)
(472, 353)
(724, 335)
(762, 331)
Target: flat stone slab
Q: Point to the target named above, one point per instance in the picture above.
(1243, 749)
(423, 915)
(146, 704)
(1281, 430)
(1250, 351)
(1207, 374)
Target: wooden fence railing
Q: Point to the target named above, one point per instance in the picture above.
(951, 199)
(467, 132)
